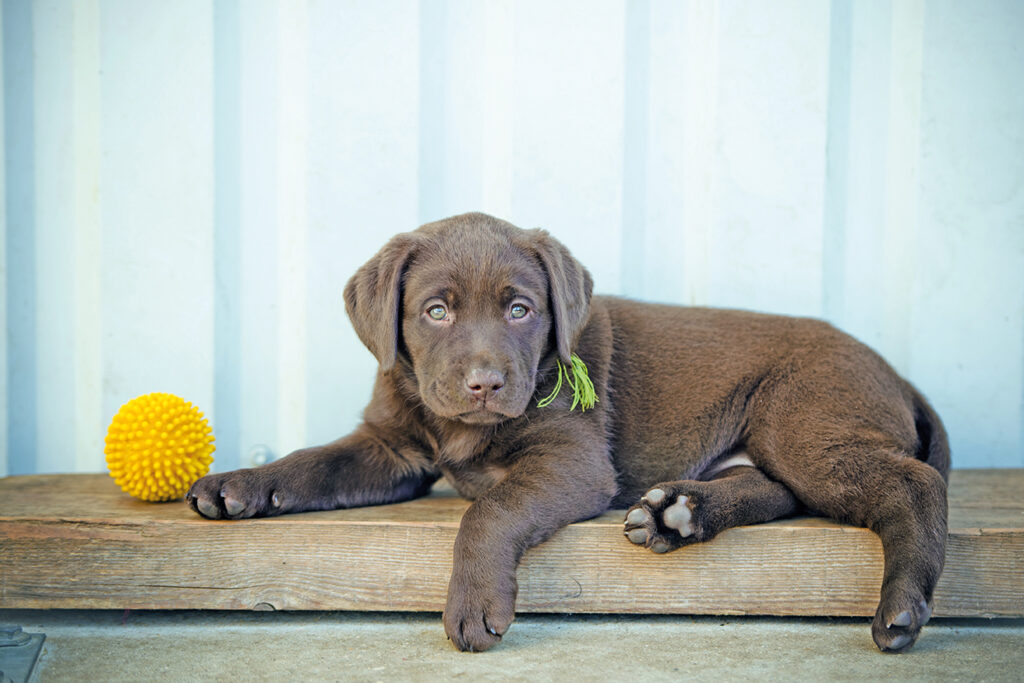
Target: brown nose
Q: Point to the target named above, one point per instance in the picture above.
(483, 384)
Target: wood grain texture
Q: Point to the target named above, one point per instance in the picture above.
(76, 541)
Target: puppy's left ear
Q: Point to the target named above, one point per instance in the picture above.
(569, 289)
(373, 299)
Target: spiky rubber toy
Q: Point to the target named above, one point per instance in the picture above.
(157, 446)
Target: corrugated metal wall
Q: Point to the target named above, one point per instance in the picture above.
(188, 185)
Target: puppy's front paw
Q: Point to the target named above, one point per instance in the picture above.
(475, 618)
(235, 495)
(667, 517)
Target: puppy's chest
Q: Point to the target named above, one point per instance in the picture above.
(460, 446)
(473, 482)
(471, 463)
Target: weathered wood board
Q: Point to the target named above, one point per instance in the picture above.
(76, 541)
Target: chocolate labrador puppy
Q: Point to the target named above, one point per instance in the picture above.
(705, 419)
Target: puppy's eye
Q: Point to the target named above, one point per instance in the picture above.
(518, 311)
(437, 312)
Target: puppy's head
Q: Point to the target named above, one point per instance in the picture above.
(470, 306)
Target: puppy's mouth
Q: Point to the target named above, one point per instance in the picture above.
(488, 412)
(482, 416)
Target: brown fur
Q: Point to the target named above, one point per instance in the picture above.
(828, 426)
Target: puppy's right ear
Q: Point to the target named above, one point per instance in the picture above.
(373, 299)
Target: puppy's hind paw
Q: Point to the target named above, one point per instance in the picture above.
(663, 520)
(895, 630)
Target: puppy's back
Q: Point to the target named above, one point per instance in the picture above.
(685, 383)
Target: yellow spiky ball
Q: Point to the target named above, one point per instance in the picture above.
(157, 446)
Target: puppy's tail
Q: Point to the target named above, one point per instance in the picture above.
(934, 448)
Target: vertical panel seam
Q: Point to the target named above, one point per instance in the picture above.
(498, 124)
(3, 264)
(836, 162)
(902, 176)
(19, 138)
(636, 124)
(292, 223)
(432, 133)
(88, 373)
(700, 144)
(227, 232)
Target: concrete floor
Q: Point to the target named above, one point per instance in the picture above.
(187, 646)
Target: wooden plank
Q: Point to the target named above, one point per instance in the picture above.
(76, 541)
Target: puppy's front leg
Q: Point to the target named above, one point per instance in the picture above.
(371, 466)
(542, 492)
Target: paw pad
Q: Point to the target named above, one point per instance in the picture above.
(654, 496)
(677, 516)
(638, 516)
(637, 536)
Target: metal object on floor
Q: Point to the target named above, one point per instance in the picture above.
(19, 652)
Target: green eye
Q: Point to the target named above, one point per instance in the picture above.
(437, 312)
(518, 311)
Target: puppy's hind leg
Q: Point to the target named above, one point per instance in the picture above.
(676, 513)
(902, 499)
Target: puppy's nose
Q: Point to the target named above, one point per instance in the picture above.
(483, 384)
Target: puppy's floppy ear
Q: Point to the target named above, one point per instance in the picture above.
(569, 289)
(373, 299)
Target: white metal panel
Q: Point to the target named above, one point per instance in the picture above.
(293, 223)
(967, 331)
(258, 176)
(54, 230)
(567, 105)
(464, 127)
(673, 112)
(699, 189)
(156, 182)
(858, 141)
(902, 181)
(4, 436)
(772, 113)
(188, 187)
(498, 117)
(227, 231)
(364, 183)
(19, 239)
(89, 423)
